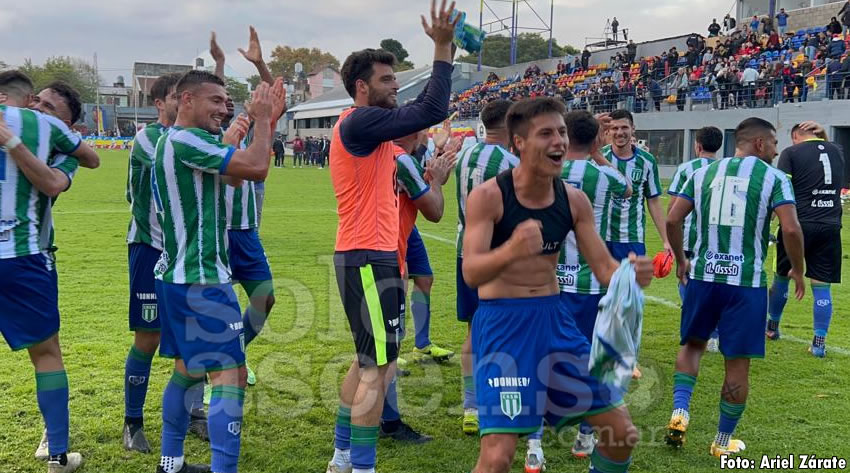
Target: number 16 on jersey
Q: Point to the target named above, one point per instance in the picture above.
(728, 201)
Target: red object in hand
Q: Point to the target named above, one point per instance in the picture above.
(662, 264)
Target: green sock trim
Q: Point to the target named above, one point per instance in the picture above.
(823, 284)
(606, 465)
(343, 416)
(777, 277)
(252, 286)
(469, 382)
(184, 381)
(420, 297)
(139, 355)
(680, 379)
(227, 392)
(363, 435)
(733, 411)
(51, 380)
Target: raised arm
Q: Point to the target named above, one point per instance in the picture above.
(253, 162)
(218, 56)
(254, 55)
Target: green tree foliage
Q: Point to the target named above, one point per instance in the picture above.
(530, 47)
(284, 59)
(394, 46)
(77, 73)
(254, 81)
(238, 91)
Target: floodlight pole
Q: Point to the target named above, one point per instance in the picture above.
(551, 22)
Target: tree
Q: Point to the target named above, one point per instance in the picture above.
(401, 54)
(77, 73)
(284, 59)
(254, 81)
(236, 90)
(530, 47)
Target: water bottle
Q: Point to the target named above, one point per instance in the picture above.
(467, 37)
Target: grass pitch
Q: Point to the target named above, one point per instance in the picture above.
(797, 404)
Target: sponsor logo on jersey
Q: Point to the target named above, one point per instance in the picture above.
(149, 312)
(722, 269)
(724, 257)
(511, 403)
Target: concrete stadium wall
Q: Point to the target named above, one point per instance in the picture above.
(812, 17)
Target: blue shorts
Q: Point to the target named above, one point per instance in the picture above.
(29, 300)
(202, 325)
(247, 258)
(467, 297)
(144, 315)
(531, 364)
(739, 313)
(620, 251)
(584, 308)
(417, 256)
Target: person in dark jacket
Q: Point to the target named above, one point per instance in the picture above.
(656, 93)
(844, 14)
(834, 27)
(278, 149)
(713, 28)
(631, 50)
(837, 47)
(585, 59)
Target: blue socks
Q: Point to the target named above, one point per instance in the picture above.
(137, 372)
(364, 443)
(584, 428)
(683, 389)
(600, 464)
(342, 431)
(469, 401)
(777, 298)
(225, 427)
(254, 320)
(730, 414)
(175, 413)
(52, 394)
(391, 412)
(536, 435)
(420, 305)
(822, 312)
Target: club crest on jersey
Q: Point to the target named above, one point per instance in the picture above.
(637, 174)
(235, 427)
(511, 403)
(149, 312)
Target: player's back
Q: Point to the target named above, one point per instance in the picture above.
(476, 165)
(733, 199)
(816, 168)
(677, 184)
(144, 225)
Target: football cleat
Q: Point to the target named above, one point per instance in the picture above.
(735, 446)
(584, 445)
(72, 462)
(818, 352)
(405, 433)
(136, 440)
(198, 426)
(434, 352)
(713, 345)
(470, 421)
(252, 378)
(334, 468)
(187, 468)
(42, 453)
(676, 430)
(534, 461)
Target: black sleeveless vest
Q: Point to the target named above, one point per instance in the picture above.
(557, 218)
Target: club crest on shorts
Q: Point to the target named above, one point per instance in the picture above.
(511, 403)
(149, 313)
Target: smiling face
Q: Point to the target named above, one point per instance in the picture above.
(49, 102)
(621, 133)
(545, 145)
(204, 107)
(382, 87)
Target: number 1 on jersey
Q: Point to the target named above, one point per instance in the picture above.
(827, 168)
(728, 206)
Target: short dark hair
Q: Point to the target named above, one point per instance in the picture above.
(621, 114)
(71, 96)
(15, 82)
(582, 127)
(710, 138)
(493, 114)
(163, 83)
(195, 78)
(752, 128)
(358, 66)
(523, 111)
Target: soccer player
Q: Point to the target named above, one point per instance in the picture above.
(476, 165)
(587, 170)
(144, 239)
(200, 316)
(732, 200)
(627, 219)
(525, 341)
(366, 257)
(707, 143)
(419, 191)
(35, 169)
(816, 169)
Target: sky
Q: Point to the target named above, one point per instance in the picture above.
(176, 31)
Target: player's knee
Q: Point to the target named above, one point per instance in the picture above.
(424, 283)
(242, 377)
(147, 342)
(496, 461)
(270, 300)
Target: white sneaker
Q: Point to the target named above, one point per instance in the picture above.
(713, 345)
(74, 462)
(534, 461)
(334, 468)
(584, 445)
(42, 453)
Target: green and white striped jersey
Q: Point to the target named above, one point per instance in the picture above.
(627, 220)
(733, 200)
(475, 165)
(144, 226)
(683, 173)
(600, 184)
(26, 222)
(190, 198)
(410, 176)
(241, 206)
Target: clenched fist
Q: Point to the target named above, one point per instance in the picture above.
(643, 269)
(527, 239)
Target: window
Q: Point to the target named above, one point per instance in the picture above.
(665, 145)
(328, 73)
(729, 143)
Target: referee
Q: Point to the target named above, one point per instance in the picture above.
(816, 168)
